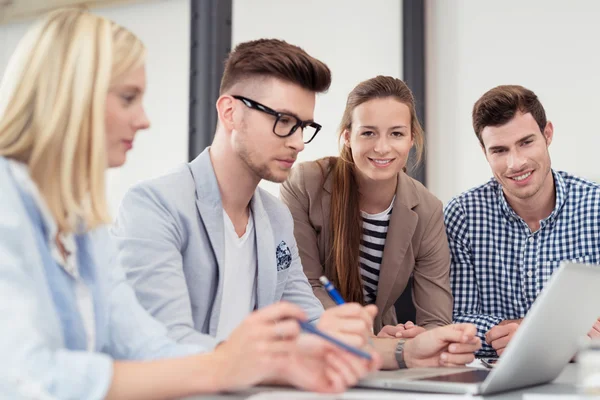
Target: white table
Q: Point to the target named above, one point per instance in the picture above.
(564, 384)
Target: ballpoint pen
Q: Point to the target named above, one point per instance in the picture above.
(336, 296)
(307, 327)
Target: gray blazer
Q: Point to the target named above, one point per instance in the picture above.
(170, 238)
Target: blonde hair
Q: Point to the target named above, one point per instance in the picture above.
(52, 109)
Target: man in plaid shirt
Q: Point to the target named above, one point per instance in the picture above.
(509, 235)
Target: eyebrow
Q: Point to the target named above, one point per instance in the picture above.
(133, 88)
(293, 114)
(375, 128)
(526, 138)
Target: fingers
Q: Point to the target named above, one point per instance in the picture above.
(346, 367)
(500, 343)
(410, 332)
(354, 311)
(371, 310)
(449, 359)
(500, 331)
(409, 324)
(287, 329)
(279, 311)
(468, 331)
(595, 331)
(279, 347)
(389, 331)
(456, 333)
(335, 379)
(465, 348)
(354, 326)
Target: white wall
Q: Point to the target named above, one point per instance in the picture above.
(548, 46)
(164, 27)
(357, 39)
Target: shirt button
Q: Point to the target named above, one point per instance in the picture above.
(529, 274)
(531, 239)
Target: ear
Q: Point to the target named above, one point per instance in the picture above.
(225, 106)
(548, 133)
(346, 137)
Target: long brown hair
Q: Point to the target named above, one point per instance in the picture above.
(342, 264)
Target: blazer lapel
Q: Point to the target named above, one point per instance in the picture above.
(266, 279)
(403, 223)
(210, 210)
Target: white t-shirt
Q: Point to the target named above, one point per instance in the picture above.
(239, 286)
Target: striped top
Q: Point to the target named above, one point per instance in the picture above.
(374, 232)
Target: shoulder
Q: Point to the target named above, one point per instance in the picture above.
(416, 193)
(173, 189)
(476, 198)
(310, 176)
(578, 184)
(274, 207)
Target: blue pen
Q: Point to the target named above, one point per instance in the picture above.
(335, 296)
(331, 291)
(307, 327)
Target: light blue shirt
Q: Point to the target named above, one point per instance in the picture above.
(44, 340)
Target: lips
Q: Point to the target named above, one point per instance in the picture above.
(287, 162)
(381, 162)
(521, 177)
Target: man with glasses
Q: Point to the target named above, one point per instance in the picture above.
(203, 246)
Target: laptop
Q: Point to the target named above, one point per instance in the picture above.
(537, 353)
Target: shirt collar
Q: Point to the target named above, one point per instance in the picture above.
(561, 195)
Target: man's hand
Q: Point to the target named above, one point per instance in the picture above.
(318, 366)
(450, 345)
(257, 349)
(351, 323)
(406, 331)
(499, 336)
(594, 333)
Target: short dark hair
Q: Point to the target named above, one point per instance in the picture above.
(276, 59)
(500, 104)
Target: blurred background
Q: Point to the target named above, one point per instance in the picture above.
(449, 52)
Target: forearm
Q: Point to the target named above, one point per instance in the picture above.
(386, 347)
(165, 379)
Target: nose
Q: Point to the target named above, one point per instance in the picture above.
(515, 161)
(142, 122)
(382, 145)
(296, 140)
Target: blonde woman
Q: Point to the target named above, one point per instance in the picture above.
(70, 106)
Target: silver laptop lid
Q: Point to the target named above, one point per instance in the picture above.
(549, 336)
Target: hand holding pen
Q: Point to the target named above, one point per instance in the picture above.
(369, 311)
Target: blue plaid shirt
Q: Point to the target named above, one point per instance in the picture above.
(498, 265)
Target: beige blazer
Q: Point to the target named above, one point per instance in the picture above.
(416, 244)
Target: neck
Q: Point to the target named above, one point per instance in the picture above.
(538, 207)
(376, 196)
(237, 182)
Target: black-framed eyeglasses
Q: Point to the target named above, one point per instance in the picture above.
(285, 124)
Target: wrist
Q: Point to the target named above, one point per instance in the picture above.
(409, 359)
(400, 354)
(215, 364)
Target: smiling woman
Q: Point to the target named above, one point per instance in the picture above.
(363, 222)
